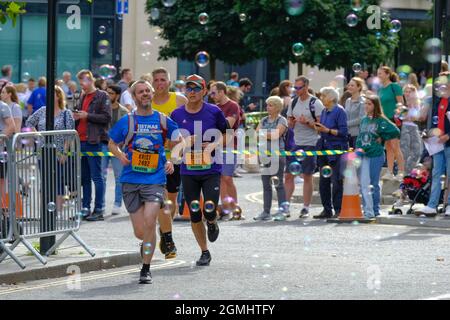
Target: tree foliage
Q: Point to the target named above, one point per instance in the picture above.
(222, 37)
(322, 28)
(269, 32)
(10, 11)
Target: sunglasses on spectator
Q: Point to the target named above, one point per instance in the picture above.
(195, 89)
(298, 88)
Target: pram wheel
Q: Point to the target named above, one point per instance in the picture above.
(398, 212)
(410, 211)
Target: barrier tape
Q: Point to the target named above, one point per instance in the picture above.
(247, 152)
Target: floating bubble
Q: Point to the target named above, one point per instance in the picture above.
(101, 29)
(195, 206)
(27, 129)
(228, 205)
(402, 112)
(147, 244)
(326, 171)
(103, 47)
(176, 296)
(202, 59)
(168, 207)
(295, 168)
(357, 5)
(357, 67)
(327, 52)
(298, 49)
(294, 7)
(275, 181)
(300, 158)
(203, 18)
(26, 76)
(32, 178)
(378, 35)
(435, 132)
(168, 3)
(435, 120)
(3, 157)
(209, 206)
(242, 17)
(433, 50)
(396, 26)
(355, 223)
(284, 289)
(51, 206)
(443, 90)
(146, 45)
(348, 173)
(385, 15)
(154, 13)
(352, 20)
(405, 69)
(357, 162)
(371, 189)
(107, 71)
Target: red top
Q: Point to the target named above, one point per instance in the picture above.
(232, 110)
(82, 126)
(442, 109)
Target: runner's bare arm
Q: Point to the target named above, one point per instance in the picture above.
(115, 150)
(181, 100)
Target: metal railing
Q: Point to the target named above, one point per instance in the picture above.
(46, 162)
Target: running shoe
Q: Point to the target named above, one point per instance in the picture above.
(145, 277)
(171, 251)
(279, 216)
(162, 243)
(304, 213)
(262, 217)
(213, 231)
(205, 259)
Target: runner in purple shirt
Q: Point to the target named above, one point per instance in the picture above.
(202, 125)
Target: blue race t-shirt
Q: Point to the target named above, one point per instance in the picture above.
(146, 151)
(37, 98)
(209, 117)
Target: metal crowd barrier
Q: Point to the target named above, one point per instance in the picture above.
(46, 162)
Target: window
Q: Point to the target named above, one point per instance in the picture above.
(9, 39)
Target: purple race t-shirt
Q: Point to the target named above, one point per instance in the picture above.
(209, 117)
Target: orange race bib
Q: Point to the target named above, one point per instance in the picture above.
(144, 162)
(198, 160)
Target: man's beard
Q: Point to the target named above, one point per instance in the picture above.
(147, 105)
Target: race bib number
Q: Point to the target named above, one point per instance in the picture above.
(144, 162)
(198, 161)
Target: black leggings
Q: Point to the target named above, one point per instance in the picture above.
(209, 185)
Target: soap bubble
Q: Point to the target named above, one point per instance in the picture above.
(107, 71)
(228, 205)
(203, 18)
(435, 120)
(202, 59)
(3, 157)
(326, 171)
(371, 189)
(168, 206)
(352, 20)
(210, 206)
(298, 49)
(242, 17)
(378, 35)
(154, 13)
(294, 7)
(195, 206)
(385, 15)
(300, 158)
(295, 168)
(357, 67)
(327, 52)
(404, 69)
(433, 50)
(275, 181)
(26, 76)
(357, 5)
(101, 29)
(51, 206)
(396, 25)
(402, 112)
(103, 47)
(285, 206)
(168, 3)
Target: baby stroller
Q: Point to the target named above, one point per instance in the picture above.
(417, 187)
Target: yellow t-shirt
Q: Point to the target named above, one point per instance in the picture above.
(167, 107)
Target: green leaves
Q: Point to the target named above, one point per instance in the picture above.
(10, 10)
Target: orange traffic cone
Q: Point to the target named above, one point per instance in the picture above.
(351, 202)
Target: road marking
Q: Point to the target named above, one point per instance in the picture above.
(92, 277)
(441, 297)
(254, 197)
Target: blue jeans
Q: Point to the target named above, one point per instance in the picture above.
(117, 169)
(441, 166)
(370, 171)
(91, 170)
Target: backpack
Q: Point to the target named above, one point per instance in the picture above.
(131, 129)
(289, 141)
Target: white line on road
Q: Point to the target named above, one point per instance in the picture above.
(93, 277)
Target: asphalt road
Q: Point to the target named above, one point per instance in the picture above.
(295, 259)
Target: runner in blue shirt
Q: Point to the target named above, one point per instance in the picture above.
(141, 135)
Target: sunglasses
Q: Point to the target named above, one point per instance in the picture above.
(195, 89)
(298, 88)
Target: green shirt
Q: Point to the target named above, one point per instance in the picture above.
(370, 131)
(388, 99)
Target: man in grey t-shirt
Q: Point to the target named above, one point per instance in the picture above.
(7, 125)
(302, 115)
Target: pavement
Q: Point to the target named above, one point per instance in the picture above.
(294, 259)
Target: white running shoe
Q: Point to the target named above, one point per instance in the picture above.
(447, 211)
(298, 180)
(116, 210)
(426, 210)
